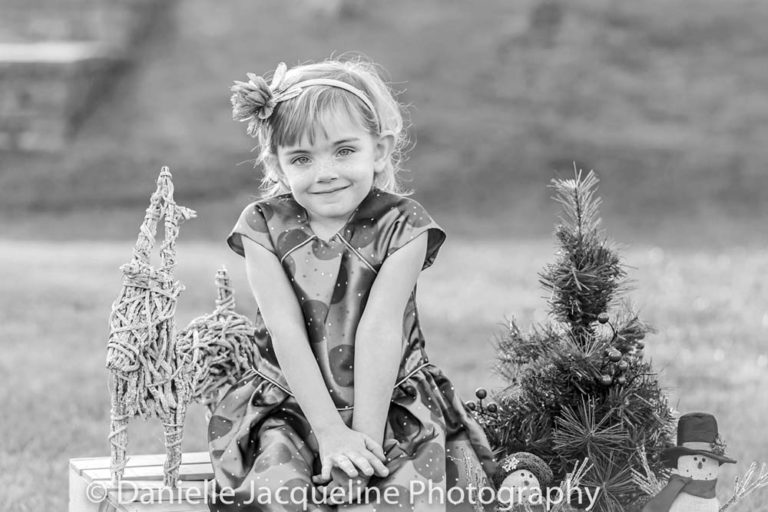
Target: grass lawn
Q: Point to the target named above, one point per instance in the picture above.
(710, 309)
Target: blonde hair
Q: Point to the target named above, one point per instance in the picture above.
(301, 116)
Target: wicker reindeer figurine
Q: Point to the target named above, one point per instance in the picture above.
(223, 346)
(150, 369)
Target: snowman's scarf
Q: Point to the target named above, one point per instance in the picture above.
(677, 484)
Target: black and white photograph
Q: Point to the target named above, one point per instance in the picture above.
(360, 256)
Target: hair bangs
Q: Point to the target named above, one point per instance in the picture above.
(306, 117)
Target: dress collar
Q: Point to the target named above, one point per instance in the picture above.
(346, 231)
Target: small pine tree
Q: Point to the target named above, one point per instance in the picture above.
(578, 384)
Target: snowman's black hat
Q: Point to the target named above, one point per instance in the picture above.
(696, 435)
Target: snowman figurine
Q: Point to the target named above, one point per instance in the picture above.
(519, 482)
(695, 463)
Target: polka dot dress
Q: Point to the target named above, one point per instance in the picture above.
(259, 440)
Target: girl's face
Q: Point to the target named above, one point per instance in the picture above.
(331, 175)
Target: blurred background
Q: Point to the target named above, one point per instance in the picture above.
(666, 101)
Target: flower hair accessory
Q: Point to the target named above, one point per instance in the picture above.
(254, 100)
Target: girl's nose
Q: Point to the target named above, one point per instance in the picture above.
(326, 171)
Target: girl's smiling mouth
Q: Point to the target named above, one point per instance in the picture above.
(326, 192)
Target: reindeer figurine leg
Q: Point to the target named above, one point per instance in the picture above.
(118, 435)
(173, 425)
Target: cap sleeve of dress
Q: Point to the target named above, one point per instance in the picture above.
(252, 224)
(411, 221)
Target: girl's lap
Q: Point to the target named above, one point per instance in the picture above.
(430, 439)
(421, 480)
(278, 475)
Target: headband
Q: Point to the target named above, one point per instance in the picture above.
(254, 100)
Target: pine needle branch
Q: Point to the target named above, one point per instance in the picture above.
(581, 432)
(572, 481)
(647, 481)
(588, 273)
(576, 196)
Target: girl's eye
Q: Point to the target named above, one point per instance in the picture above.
(345, 151)
(300, 160)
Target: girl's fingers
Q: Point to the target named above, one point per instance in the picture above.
(378, 467)
(362, 463)
(343, 463)
(325, 471)
(374, 447)
(318, 479)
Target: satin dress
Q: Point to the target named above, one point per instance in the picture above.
(261, 444)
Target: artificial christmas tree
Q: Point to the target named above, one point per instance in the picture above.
(579, 387)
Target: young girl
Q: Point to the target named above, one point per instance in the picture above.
(344, 399)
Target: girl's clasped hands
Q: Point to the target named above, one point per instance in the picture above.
(348, 460)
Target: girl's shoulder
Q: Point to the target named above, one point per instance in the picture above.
(388, 207)
(275, 208)
(267, 222)
(389, 221)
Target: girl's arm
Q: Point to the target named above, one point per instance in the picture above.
(379, 337)
(285, 322)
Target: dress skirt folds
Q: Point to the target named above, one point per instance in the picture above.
(263, 450)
